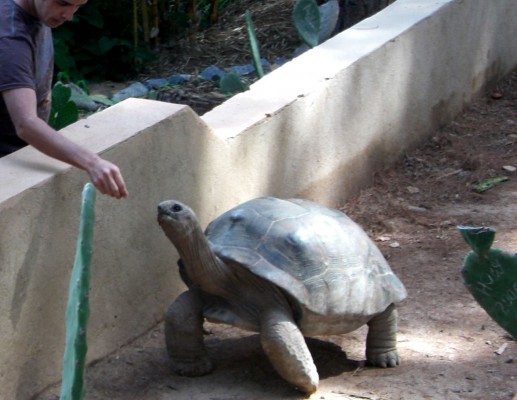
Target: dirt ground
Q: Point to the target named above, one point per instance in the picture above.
(450, 347)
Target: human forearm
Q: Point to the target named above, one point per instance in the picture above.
(40, 135)
(105, 175)
(21, 104)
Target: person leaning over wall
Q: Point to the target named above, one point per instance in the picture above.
(26, 68)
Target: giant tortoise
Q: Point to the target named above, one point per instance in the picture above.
(287, 269)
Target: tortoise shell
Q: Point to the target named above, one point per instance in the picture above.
(324, 262)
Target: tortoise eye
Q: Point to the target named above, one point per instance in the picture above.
(176, 208)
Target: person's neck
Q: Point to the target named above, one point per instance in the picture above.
(28, 6)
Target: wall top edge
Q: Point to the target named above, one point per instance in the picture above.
(27, 168)
(304, 74)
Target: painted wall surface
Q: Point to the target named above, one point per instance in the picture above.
(318, 127)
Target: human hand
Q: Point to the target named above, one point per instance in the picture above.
(108, 179)
(22, 106)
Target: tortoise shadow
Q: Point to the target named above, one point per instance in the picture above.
(142, 370)
(330, 359)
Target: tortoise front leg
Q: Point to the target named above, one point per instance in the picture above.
(381, 342)
(184, 335)
(285, 347)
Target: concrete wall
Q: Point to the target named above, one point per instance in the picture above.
(318, 127)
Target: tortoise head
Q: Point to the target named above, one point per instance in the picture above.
(177, 220)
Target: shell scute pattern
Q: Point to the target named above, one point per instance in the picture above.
(295, 243)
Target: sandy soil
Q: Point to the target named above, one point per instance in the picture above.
(450, 347)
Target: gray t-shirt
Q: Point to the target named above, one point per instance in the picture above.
(26, 61)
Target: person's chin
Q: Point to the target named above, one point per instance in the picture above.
(54, 23)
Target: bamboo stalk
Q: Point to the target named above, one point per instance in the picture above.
(156, 21)
(214, 11)
(135, 24)
(145, 21)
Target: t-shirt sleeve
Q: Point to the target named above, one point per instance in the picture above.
(16, 60)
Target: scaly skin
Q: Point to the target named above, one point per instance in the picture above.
(184, 335)
(285, 347)
(381, 342)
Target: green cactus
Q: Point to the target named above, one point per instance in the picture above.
(307, 20)
(490, 275)
(78, 310)
(63, 111)
(252, 39)
(231, 84)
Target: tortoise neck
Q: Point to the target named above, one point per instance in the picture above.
(201, 264)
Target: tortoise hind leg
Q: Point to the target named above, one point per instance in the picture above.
(285, 347)
(184, 335)
(381, 342)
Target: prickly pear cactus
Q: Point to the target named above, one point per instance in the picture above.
(491, 277)
(78, 310)
(64, 111)
(307, 20)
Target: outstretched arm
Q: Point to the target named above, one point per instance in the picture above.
(21, 104)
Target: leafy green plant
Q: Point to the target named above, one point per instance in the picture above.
(63, 111)
(252, 39)
(90, 48)
(231, 84)
(78, 308)
(307, 20)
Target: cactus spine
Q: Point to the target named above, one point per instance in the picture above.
(77, 311)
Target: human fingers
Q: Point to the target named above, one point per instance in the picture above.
(108, 180)
(121, 185)
(112, 187)
(100, 184)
